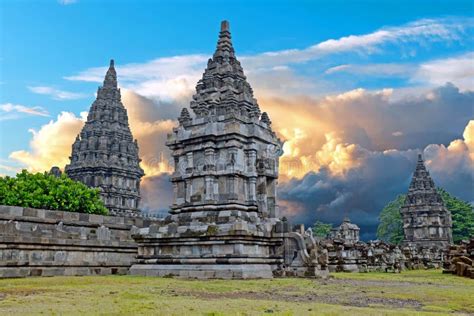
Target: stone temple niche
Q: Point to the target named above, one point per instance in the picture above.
(226, 159)
(105, 155)
(426, 221)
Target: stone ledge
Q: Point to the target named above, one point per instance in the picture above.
(20, 272)
(205, 271)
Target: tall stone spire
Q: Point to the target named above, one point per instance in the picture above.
(105, 155)
(224, 184)
(223, 88)
(427, 222)
(110, 80)
(422, 184)
(224, 43)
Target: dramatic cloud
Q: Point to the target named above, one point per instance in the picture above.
(51, 144)
(361, 188)
(12, 111)
(453, 165)
(57, 94)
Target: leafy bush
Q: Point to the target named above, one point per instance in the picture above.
(391, 224)
(45, 191)
(321, 229)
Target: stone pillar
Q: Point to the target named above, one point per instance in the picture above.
(231, 187)
(189, 162)
(210, 159)
(252, 189)
(209, 188)
(189, 190)
(252, 160)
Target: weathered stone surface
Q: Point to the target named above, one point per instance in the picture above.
(45, 243)
(426, 221)
(105, 155)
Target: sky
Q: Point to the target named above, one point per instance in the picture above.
(356, 89)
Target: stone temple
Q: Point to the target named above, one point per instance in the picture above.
(223, 221)
(426, 220)
(346, 231)
(105, 155)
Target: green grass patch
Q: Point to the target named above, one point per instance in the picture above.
(409, 293)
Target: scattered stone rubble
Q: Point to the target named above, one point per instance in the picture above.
(460, 259)
(346, 253)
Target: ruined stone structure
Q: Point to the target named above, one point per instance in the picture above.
(36, 242)
(347, 231)
(105, 155)
(426, 220)
(224, 222)
(460, 259)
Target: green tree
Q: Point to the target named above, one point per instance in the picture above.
(391, 225)
(321, 229)
(42, 190)
(390, 228)
(462, 214)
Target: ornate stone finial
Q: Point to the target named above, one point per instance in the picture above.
(184, 116)
(110, 80)
(225, 26)
(224, 44)
(265, 119)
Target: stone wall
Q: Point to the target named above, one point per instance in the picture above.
(35, 242)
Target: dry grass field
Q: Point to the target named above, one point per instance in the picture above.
(408, 293)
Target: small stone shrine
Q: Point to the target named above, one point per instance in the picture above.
(426, 220)
(105, 155)
(346, 231)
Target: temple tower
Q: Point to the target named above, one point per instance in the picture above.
(226, 159)
(426, 220)
(105, 155)
(226, 156)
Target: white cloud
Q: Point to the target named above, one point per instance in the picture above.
(67, 2)
(12, 111)
(458, 70)
(57, 94)
(419, 32)
(167, 78)
(388, 69)
(51, 144)
(171, 78)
